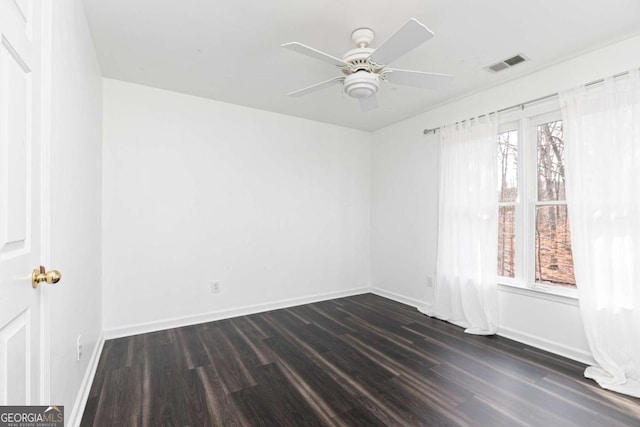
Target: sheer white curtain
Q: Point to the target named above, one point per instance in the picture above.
(602, 133)
(466, 280)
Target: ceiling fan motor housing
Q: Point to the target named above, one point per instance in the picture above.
(361, 80)
(361, 84)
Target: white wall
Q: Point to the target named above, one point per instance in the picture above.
(274, 207)
(404, 197)
(76, 175)
(404, 213)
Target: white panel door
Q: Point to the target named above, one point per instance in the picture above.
(20, 195)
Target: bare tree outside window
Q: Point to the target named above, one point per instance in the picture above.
(507, 197)
(554, 260)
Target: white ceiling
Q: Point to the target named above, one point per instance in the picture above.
(230, 51)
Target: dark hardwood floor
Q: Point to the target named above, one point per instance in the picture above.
(357, 361)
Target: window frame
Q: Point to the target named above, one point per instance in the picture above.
(525, 122)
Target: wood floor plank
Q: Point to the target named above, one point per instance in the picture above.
(317, 338)
(179, 400)
(590, 398)
(226, 360)
(118, 352)
(355, 361)
(331, 392)
(493, 358)
(259, 322)
(119, 399)
(103, 364)
(410, 356)
(155, 338)
(478, 409)
(220, 404)
(418, 373)
(517, 385)
(247, 354)
(379, 320)
(286, 399)
(517, 406)
(359, 417)
(253, 406)
(255, 351)
(191, 351)
(248, 328)
(88, 417)
(333, 308)
(321, 319)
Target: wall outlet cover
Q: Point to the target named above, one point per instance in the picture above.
(78, 348)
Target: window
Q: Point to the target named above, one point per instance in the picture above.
(553, 258)
(534, 240)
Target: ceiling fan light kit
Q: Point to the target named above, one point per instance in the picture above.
(361, 84)
(364, 68)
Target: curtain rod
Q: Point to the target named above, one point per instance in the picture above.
(523, 104)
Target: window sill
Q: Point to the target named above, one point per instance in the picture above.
(551, 293)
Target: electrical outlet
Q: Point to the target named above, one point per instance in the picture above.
(78, 348)
(215, 287)
(429, 281)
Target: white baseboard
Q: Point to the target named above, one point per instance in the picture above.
(547, 345)
(177, 322)
(85, 387)
(397, 297)
(523, 337)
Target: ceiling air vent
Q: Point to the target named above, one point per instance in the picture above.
(507, 63)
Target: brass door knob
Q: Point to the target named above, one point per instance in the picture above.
(39, 275)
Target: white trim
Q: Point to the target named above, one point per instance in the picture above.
(398, 298)
(177, 322)
(568, 297)
(523, 337)
(46, 71)
(547, 345)
(85, 387)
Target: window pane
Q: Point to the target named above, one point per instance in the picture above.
(507, 241)
(554, 261)
(508, 166)
(550, 162)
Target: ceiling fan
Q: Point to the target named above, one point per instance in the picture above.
(364, 68)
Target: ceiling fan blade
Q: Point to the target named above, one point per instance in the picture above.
(418, 79)
(369, 103)
(315, 53)
(406, 38)
(316, 87)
